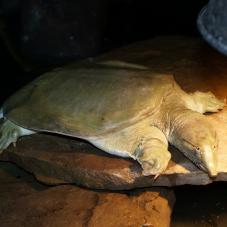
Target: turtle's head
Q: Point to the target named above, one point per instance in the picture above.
(198, 141)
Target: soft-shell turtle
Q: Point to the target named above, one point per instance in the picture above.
(123, 109)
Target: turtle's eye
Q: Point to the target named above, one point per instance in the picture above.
(198, 153)
(192, 146)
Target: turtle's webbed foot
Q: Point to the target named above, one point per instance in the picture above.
(152, 167)
(10, 132)
(154, 158)
(155, 165)
(207, 102)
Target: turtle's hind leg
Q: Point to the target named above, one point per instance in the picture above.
(10, 132)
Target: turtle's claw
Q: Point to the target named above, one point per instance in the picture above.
(157, 175)
(153, 168)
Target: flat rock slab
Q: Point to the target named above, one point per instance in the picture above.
(70, 206)
(195, 66)
(59, 160)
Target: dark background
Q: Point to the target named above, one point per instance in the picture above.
(98, 25)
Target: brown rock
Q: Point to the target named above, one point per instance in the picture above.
(136, 209)
(195, 66)
(59, 160)
(70, 206)
(12, 186)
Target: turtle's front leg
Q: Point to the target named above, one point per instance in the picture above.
(10, 132)
(153, 155)
(203, 102)
(142, 142)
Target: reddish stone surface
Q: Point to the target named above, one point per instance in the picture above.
(58, 160)
(24, 203)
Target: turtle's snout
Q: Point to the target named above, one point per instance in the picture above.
(208, 153)
(208, 156)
